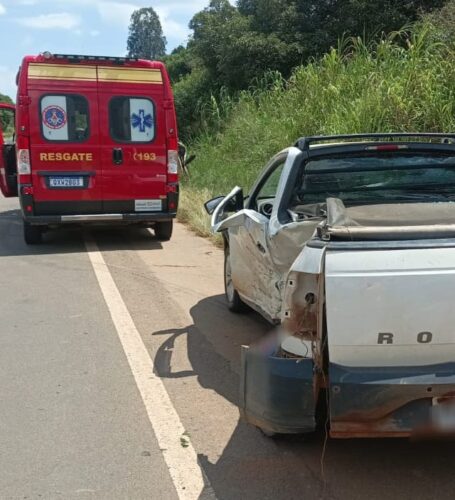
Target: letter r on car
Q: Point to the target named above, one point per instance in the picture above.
(385, 338)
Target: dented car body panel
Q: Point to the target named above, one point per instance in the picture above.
(353, 254)
(390, 340)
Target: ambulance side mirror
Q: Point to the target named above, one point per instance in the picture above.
(189, 160)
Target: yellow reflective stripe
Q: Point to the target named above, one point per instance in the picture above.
(61, 72)
(42, 71)
(128, 75)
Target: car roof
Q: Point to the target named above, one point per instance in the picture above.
(374, 139)
(370, 143)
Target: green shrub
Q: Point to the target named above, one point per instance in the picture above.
(404, 83)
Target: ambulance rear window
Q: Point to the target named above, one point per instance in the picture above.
(132, 119)
(64, 118)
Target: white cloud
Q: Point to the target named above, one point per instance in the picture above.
(63, 20)
(2, 9)
(171, 28)
(116, 13)
(8, 81)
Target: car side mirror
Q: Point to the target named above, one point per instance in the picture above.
(234, 204)
(211, 205)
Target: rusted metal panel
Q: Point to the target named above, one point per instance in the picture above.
(390, 401)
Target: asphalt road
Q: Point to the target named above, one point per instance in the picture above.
(76, 420)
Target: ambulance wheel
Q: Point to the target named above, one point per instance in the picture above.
(234, 302)
(163, 230)
(32, 234)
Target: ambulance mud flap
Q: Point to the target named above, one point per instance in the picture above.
(276, 393)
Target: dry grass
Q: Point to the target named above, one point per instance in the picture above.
(192, 212)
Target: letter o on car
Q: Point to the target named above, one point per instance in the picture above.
(424, 337)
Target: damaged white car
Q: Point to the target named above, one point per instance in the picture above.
(349, 243)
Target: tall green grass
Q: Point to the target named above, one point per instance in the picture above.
(404, 83)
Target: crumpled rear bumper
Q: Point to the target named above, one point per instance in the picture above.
(276, 393)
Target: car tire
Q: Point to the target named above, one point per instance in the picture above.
(234, 302)
(269, 434)
(32, 234)
(163, 230)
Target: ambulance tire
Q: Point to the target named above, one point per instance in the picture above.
(163, 230)
(32, 234)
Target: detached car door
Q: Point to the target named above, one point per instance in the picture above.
(253, 272)
(8, 174)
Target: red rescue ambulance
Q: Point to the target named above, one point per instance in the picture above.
(96, 143)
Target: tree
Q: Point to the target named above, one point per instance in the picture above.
(209, 32)
(178, 63)
(145, 39)
(232, 51)
(5, 116)
(233, 47)
(444, 20)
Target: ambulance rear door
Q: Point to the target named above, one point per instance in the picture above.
(64, 139)
(133, 138)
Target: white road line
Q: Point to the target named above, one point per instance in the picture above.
(181, 461)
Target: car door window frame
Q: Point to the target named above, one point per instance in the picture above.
(275, 163)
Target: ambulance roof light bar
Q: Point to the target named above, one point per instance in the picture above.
(78, 58)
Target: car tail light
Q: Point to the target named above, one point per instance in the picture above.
(23, 162)
(27, 190)
(172, 162)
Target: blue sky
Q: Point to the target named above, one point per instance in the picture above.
(98, 27)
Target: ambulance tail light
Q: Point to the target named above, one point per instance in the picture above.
(23, 162)
(23, 166)
(172, 162)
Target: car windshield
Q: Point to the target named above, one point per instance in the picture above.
(379, 178)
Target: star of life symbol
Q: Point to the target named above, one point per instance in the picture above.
(54, 117)
(141, 120)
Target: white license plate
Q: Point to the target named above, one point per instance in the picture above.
(66, 182)
(148, 205)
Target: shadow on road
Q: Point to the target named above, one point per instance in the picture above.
(66, 240)
(253, 466)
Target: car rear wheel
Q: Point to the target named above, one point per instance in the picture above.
(163, 230)
(234, 302)
(32, 234)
